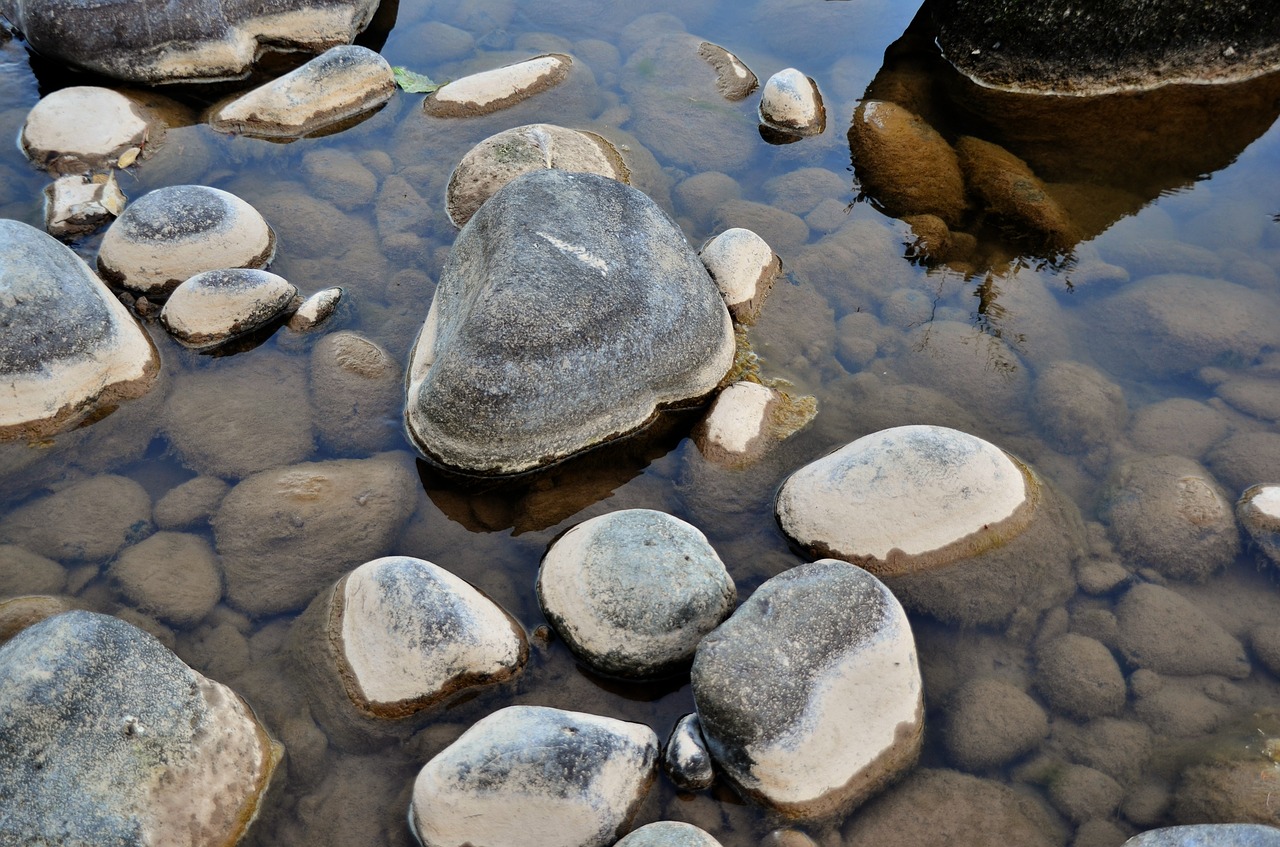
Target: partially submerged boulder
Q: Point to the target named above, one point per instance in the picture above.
(86, 128)
(744, 266)
(77, 204)
(491, 91)
(792, 104)
(211, 308)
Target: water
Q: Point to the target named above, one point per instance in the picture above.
(881, 334)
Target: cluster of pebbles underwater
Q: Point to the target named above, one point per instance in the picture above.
(380, 463)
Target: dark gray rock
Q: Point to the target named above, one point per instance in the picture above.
(570, 310)
(685, 757)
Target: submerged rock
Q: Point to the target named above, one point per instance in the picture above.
(1014, 195)
(809, 696)
(536, 777)
(990, 723)
(211, 308)
(172, 575)
(85, 128)
(356, 389)
(69, 349)
(491, 91)
(746, 420)
(90, 521)
(903, 164)
(734, 80)
(791, 103)
(315, 309)
(1162, 631)
(495, 387)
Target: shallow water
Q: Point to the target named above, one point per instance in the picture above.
(858, 320)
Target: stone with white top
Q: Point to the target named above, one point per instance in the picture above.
(633, 592)
(77, 204)
(669, 834)
(685, 757)
(535, 777)
(744, 266)
(316, 309)
(214, 307)
(85, 128)
(171, 234)
(69, 348)
(809, 696)
(491, 91)
(340, 83)
(746, 420)
(791, 103)
(959, 528)
(734, 80)
(1258, 511)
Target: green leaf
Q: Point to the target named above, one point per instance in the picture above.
(414, 83)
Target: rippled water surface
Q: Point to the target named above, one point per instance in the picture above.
(879, 331)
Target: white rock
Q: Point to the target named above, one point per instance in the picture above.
(668, 834)
(792, 104)
(1258, 511)
(489, 91)
(340, 83)
(529, 776)
(685, 757)
(744, 266)
(214, 307)
(735, 430)
(77, 204)
(82, 128)
(316, 309)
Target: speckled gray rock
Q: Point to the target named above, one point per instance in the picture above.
(202, 41)
(85, 128)
(685, 757)
(791, 103)
(633, 592)
(340, 83)
(1208, 835)
(536, 777)
(68, 347)
(211, 308)
(1258, 511)
(809, 696)
(668, 834)
(90, 521)
(495, 387)
(1163, 631)
(491, 91)
(172, 575)
(356, 389)
(139, 750)
(990, 722)
(1080, 678)
(173, 233)
(1168, 512)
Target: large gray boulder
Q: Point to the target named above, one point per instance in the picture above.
(204, 41)
(570, 311)
(110, 739)
(68, 348)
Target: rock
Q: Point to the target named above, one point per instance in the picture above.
(1176, 706)
(1265, 641)
(1082, 793)
(24, 572)
(1119, 748)
(685, 757)
(668, 834)
(1208, 835)
(791, 104)
(356, 391)
(537, 777)
(85, 128)
(18, 613)
(1240, 460)
(1236, 790)
(747, 419)
(90, 521)
(1258, 511)
(809, 696)
(1080, 678)
(982, 538)
(141, 749)
(501, 158)
(1162, 631)
(490, 91)
(69, 351)
(785, 232)
(734, 80)
(1014, 196)
(1078, 407)
(340, 83)
(76, 205)
(495, 388)
(699, 197)
(744, 266)
(903, 164)
(1169, 513)
(633, 592)
(214, 307)
(173, 233)
(203, 41)
(990, 723)
(171, 575)
(1180, 426)
(1256, 396)
(341, 177)
(315, 310)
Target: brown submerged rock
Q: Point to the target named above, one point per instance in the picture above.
(904, 165)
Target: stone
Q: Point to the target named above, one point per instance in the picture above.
(356, 391)
(982, 537)
(1080, 678)
(1244, 458)
(1234, 790)
(172, 575)
(69, 351)
(315, 310)
(1169, 513)
(746, 420)
(89, 521)
(491, 91)
(496, 388)
(734, 80)
(990, 723)
(537, 777)
(1014, 197)
(214, 307)
(685, 757)
(791, 103)
(1208, 835)
(24, 572)
(18, 613)
(1162, 631)
(668, 834)
(173, 233)
(904, 165)
(1082, 793)
(202, 41)
(284, 534)
(1078, 407)
(340, 83)
(744, 266)
(1180, 426)
(141, 749)
(343, 178)
(633, 592)
(809, 696)
(77, 205)
(501, 158)
(1258, 511)
(85, 128)
(1118, 748)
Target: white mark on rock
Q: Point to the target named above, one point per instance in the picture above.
(582, 254)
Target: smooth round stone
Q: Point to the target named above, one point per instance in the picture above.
(1208, 835)
(736, 429)
(501, 158)
(744, 266)
(490, 91)
(213, 307)
(190, 503)
(633, 592)
(82, 128)
(791, 103)
(356, 389)
(1078, 407)
(685, 757)
(1013, 195)
(24, 572)
(171, 575)
(1162, 631)
(171, 234)
(340, 83)
(1258, 511)
(69, 348)
(904, 163)
(734, 80)
(990, 723)
(1080, 678)
(809, 696)
(315, 310)
(140, 749)
(668, 834)
(90, 521)
(535, 777)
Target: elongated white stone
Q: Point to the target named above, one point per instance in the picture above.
(489, 91)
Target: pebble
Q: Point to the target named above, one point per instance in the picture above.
(746, 420)
(1080, 678)
(685, 757)
(77, 205)
(990, 723)
(315, 310)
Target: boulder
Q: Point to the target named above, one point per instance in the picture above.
(69, 350)
(140, 749)
(791, 104)
(535, 777)
(809, 696)
(89, 521)
(491, 91)
(668, 834)
(214, 307)
(86, 128)
(685, 757)
(1162, 631)
(903, 164)
(497, 387)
